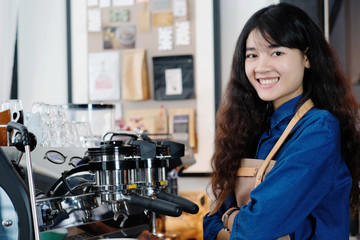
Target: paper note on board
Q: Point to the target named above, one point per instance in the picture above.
(92, 3)
(173, 80)
(119, 15)
(105, 3)
(181, 127)
(180, 8)
(120, 3)
(94, 20)
(163, 19)
(165, 39)
(180, 121)
(160, 4)
(182, 33)
(104, 76)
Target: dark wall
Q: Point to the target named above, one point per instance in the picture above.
(314, 8)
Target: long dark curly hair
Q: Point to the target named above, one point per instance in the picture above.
(242, 115)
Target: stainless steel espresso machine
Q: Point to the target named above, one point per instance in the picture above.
(114, 190)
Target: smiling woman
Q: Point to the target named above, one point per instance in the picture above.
(282, 66)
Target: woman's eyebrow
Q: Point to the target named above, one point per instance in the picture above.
(250, 49)
(274, 45)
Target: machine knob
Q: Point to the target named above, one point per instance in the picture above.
(6, 223)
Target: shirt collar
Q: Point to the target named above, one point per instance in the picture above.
(287, 109)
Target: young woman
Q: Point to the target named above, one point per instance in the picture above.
(280, 61)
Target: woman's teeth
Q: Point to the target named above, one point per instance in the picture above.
(268, 81)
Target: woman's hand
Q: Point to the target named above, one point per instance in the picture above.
(228, 218)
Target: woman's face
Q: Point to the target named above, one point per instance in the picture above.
(275, 72)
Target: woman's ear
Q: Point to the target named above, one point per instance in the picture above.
(307, 62)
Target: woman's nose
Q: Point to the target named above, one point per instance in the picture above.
(263, 64)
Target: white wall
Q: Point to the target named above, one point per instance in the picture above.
(205, 84)
(79, 51)
(8, 16)
(42, 59)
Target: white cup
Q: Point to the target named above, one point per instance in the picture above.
(16, 109)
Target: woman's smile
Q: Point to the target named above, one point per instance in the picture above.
(268, 81)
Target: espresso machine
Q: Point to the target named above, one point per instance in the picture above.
(113, 190)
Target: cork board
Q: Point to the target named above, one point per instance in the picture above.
(139, 26)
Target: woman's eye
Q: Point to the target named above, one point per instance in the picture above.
(251, 56)
(277, 53)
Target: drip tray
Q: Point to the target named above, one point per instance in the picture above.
(130, 232)
(80, 236)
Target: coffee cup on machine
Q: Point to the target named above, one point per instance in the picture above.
(16, 108)
(5, 118)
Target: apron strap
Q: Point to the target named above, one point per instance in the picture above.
(299, 114)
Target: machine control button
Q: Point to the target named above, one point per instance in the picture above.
(6, 223)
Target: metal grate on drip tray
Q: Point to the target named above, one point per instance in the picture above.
(80, 236)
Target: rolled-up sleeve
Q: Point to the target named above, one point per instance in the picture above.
(213, 224)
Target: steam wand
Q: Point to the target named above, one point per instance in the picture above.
(26, 144)
(153, 219)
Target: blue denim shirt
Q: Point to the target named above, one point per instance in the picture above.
(306, 194)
